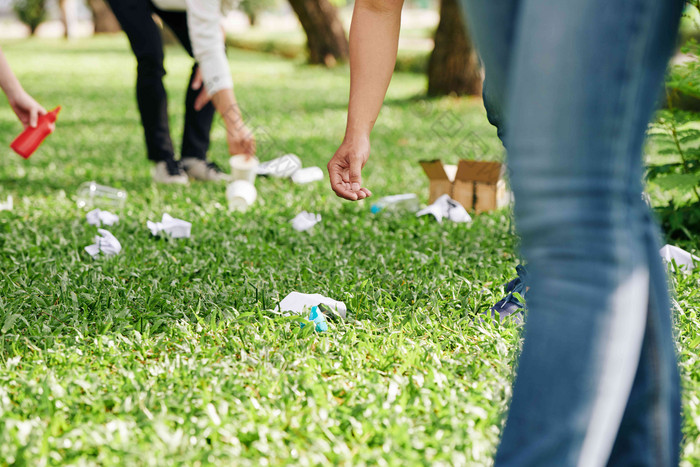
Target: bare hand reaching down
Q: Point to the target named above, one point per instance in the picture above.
(345, 169)
(203, 97)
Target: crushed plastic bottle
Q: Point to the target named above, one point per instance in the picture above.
(396, 203)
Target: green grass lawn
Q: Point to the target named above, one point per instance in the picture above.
(170, 353)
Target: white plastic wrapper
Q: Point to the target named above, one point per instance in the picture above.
(175, 228)
(98, 217)
(305, 221)
(7, 205)
(106, 243)
(446, 208)
(307, 175)
(297, 303)
(683, 259)
(281, 167)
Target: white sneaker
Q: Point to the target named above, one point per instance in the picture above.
(169, 172)
(198, 169)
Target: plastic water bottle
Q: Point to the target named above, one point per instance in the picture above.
(30, 139)
(396, 203)
(92, 194)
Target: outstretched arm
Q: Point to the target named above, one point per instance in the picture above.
(374, 39)
(26, 108)
(204, 26)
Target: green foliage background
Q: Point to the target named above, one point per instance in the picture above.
(30, 12)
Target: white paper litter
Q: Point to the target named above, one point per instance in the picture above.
(683, 259)
(175, 228)
(307, 175)
(107, 244)
(7, 205)
(305, 220)
(281, 167)
(446, 207)
(98, 217)
(297, 303)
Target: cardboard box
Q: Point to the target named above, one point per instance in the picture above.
(476, 185)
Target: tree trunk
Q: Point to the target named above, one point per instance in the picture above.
(103, 18)
(69, 17)
(454, 66)
(325, 35)
(252, 19)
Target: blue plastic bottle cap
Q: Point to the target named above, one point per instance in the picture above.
(318, 318)
(375, 209)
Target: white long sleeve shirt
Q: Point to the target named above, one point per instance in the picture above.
(204, 25)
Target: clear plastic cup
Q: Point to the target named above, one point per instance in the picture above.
(243, 168)
(241, 194)
(93, 194)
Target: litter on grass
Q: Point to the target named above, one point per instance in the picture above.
(7, 205)
(307, 175)
(175, 228)
(92, 193)
(98, 217)
(241, 194)
(446, 208)
(318, 318)
(281, 167)
(396, 203)
(510, 306)
(305, 220)
(289, 166)
(243, 168)
(476, 185)
(105, 243)
(296, 303)
(685, 261)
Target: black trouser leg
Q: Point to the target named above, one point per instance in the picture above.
(146, 43)
(195, 137)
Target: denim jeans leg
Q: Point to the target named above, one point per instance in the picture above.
(583, 83)
(492, 26)
(649, 433)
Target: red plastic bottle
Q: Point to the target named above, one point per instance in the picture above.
(30, 139)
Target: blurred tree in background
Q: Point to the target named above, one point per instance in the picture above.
(326, 41)
(102, 17)
(253, 8)
(454, 65)
(30, 12)
(69, 16)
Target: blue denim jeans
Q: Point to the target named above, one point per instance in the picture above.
(571, 85)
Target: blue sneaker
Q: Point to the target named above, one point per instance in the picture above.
(510, 306)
